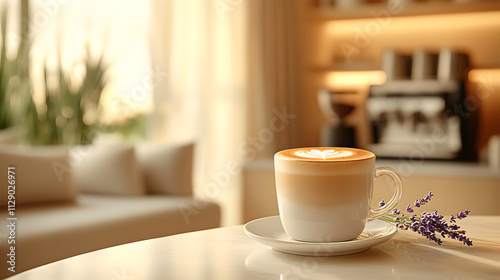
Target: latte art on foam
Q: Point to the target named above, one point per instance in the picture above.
(326, 154)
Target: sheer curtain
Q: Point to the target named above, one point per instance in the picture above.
(226, 78)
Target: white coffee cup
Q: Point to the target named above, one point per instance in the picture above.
(324, 193)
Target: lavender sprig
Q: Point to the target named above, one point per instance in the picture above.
(430, 225)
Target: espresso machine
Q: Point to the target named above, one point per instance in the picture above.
(422, 110)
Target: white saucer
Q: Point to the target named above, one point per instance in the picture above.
(270, 232)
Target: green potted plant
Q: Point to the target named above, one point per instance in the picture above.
(68, 113)
(15, 84)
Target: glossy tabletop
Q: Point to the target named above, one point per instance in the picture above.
(227, 253)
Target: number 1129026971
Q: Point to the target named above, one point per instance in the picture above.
(11, 190)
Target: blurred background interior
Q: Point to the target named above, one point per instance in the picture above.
(417, 82)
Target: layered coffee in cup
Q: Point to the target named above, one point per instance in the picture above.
(324, 193)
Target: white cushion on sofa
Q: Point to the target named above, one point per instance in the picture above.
(167, 169)
(107, 169)
(42, 174)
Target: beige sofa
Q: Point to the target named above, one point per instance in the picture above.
(69, 203)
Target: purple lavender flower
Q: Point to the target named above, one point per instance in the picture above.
(424, 200)
(415, 226)
(381, 203)
(430, 225)
(463, 215)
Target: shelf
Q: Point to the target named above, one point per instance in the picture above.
(345, 76)
(403, 9)
(354, 78)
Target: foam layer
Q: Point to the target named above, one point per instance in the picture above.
(358, 163)
(325, 154)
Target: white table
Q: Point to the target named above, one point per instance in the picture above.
(227, 253)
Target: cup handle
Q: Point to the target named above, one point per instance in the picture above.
(398, 191)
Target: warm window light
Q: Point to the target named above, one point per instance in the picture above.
(117, 30)
(490, 76)
(354, 78)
